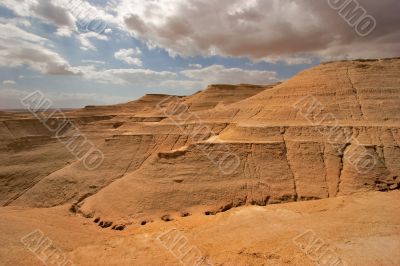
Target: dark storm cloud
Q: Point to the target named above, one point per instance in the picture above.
(269, 30)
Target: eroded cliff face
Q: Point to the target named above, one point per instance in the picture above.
(331, 130)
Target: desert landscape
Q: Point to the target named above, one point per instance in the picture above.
(199, 133)
(231, 175)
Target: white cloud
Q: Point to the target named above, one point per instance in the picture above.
(186, 79)
(19, 47)
(139, 77)
(86, 44)
(193, 79)
(290, 60)
(129, 56)
(85, 40)
(9, 82)
(182, 84)
(220, 74)
(289, 31)
(51, 12)
(292, 31)
(195, 65)
(17, 21)
(64, 14)
(20, 7)
(55, 14)
(64, 32)
(70, 17)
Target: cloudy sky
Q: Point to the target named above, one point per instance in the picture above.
(102, 52)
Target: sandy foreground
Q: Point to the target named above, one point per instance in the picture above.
(362, 229)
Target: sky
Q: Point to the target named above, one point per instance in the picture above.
(97, 52)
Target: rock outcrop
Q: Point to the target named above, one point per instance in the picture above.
(331, 130)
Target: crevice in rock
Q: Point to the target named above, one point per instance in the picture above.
(326, 169)
(20, 194)
(303, 198)
(246, 167)
(178, 137)
(31, 185)
(231, 205)
(262, 202)
(283, 199)
(355, 90)
(172, 154)
(235, 114)
(75, 207)
(225, 126)
(133, 159)
(257, 113)
(185, 142)
(12, 134)
(118, 125)
(381, 155)
(341, 166)
(296, 194)
(252, 164)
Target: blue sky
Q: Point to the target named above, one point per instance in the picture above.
(45, 46)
